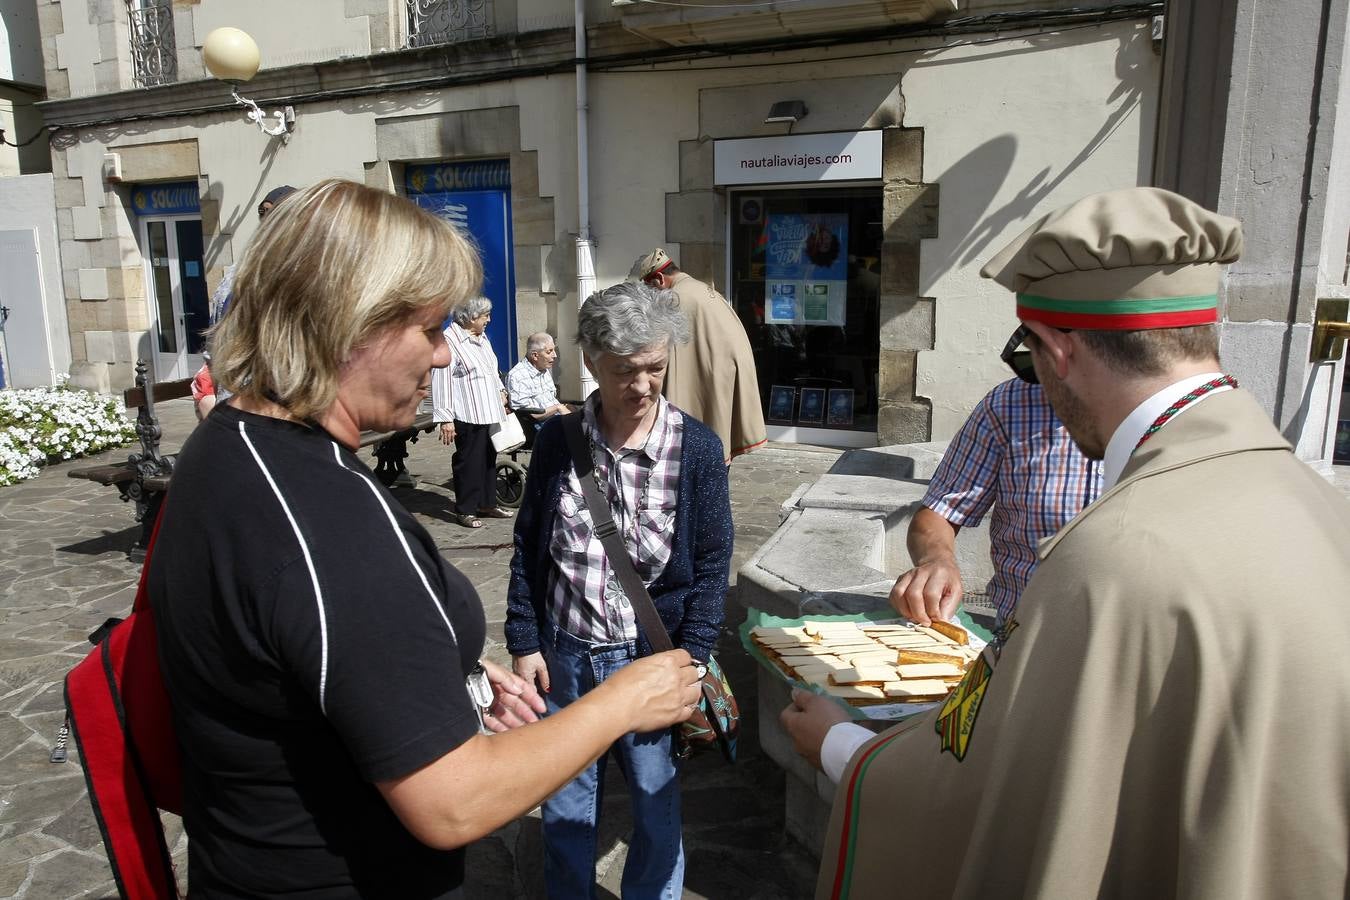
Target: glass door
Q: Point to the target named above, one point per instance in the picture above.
(176, 293)
(805, 280)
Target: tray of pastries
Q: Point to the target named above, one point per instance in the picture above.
(869, 663)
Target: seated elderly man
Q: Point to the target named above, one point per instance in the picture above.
(529, 386)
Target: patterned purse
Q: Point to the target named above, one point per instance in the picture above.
(717, 720)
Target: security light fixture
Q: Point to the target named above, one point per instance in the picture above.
(789, 111)
(232, 56)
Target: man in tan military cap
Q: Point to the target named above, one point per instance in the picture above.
(712, 377)
(1168, 712)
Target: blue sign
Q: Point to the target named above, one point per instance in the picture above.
(175, 198)
(485, 215)
(479, 175)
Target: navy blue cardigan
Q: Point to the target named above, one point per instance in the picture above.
(691, 593)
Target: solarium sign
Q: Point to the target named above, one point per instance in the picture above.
(838, 156)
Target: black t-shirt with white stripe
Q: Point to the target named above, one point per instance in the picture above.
(313, 642)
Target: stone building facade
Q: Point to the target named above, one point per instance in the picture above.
(987, 114)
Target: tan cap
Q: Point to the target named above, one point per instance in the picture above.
(649, 264)
(1121, 260)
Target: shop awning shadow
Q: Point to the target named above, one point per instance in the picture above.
(108, 542)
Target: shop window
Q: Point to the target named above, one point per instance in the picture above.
(805, 270)
(154, 52)
(432, 22)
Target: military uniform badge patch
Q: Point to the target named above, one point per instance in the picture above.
(956, 718)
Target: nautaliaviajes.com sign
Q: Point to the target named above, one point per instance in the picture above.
(839, 156)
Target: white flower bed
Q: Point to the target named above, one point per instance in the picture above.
(55, 423)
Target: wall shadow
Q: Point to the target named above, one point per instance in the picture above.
(982, 172)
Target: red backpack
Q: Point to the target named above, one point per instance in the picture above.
(118, 712)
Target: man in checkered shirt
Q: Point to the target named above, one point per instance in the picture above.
(1014, 455)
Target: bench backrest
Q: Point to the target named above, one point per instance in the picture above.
(134, 397)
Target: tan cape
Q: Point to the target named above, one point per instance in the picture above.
(1170, 718)
(713, 376)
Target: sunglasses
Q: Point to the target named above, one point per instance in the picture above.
(1019, 360)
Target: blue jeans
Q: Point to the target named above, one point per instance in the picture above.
(655, 864)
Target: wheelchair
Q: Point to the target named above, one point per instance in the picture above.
(510, 472)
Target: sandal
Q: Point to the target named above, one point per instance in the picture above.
(495, 512)
(466, 520)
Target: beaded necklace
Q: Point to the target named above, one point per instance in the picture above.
(1184, 401)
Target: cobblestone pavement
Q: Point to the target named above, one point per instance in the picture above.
(64, 569)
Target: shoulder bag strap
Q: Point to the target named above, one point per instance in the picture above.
(602, 522)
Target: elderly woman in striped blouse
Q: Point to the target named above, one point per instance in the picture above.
(467, 400)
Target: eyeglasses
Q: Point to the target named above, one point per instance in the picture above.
(1019, 360)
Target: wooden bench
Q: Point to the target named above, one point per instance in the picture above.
(145, 476)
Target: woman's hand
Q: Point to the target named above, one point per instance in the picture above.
(533, 669)
(515, 701)
(656, 691)
(447, 432)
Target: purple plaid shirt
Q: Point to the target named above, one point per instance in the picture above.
(642, 486)
(1013, 454)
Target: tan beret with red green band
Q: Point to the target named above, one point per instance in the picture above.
(1122, 260)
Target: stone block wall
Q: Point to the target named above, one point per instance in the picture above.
(908, 215)
(103, 279)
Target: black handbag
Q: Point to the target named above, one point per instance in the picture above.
(716, 722)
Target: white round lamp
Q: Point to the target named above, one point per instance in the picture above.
(231, 55)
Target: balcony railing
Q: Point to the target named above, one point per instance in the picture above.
(154, 53)
(433, 22)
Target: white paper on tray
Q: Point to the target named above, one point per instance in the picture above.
(893, 712)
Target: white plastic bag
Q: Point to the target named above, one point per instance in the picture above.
(507, 435)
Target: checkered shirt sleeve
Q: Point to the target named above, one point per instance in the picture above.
(965, 485)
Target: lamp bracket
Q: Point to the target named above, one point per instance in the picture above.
(285, 117)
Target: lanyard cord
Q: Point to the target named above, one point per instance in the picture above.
(1184, 401)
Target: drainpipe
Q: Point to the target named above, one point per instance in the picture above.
(585, 246)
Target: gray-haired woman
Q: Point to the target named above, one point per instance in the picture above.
(467, 400)
(569, 625)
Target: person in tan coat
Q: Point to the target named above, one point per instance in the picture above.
(1168, 711)
(713, 376)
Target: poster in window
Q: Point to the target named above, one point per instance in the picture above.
(841, 407)
(782, 308)
(809, 253)
(812, 411)
(781, 399)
